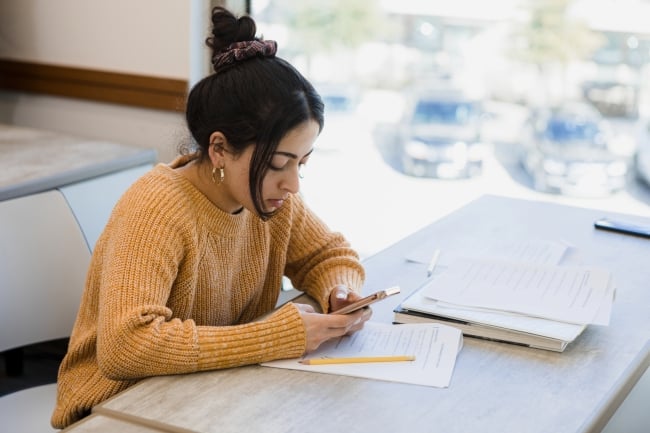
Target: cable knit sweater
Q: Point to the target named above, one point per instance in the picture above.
(175, 285)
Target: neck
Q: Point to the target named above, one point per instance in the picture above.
(200, 175)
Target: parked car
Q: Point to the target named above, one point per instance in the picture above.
(612, 98)
(572, 150)
(440, 135)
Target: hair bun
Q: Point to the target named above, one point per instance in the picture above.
(228, 29)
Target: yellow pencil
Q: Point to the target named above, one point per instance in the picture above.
(322, 361)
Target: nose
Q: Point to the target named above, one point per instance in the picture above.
(291, 181)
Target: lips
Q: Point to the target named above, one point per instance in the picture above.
(275, 203)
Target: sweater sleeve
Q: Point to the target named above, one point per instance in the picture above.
(281, 335)
(155, 347)
(319, 259)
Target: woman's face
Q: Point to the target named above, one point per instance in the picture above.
(282, 177)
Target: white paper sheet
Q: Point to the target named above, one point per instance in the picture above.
(518, 322)
(569, 294)
(435, 348)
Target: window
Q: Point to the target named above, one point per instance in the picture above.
(376, 180)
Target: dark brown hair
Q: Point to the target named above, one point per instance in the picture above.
(254, 101)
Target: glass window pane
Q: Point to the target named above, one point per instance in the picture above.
(432, 104)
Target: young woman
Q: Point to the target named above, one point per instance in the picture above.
(187, 272)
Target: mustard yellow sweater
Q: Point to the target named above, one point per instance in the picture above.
(175, 285)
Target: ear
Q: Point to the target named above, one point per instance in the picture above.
(217, 149)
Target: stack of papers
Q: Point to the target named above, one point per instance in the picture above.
(531, 302)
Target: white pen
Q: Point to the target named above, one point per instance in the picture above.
(433, 262)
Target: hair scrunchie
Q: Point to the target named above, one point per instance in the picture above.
(239, 51)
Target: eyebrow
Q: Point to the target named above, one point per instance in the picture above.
(292, 155)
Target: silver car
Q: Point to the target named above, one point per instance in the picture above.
(440, 136)
(571, 150)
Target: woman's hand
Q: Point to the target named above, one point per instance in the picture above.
(322, 327)
(342, 296)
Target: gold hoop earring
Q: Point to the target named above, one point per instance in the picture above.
(221, 175)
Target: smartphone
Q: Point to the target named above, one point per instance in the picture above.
(371, 299)
(623, 227)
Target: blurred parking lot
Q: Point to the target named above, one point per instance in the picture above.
(353, 183)
(513, 57)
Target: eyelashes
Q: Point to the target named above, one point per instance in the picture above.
(287, 166)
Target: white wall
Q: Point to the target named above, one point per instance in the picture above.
(149, 37)
(146, 37)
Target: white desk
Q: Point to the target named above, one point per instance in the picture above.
(37, 160)
(496, 387)
(89, 175)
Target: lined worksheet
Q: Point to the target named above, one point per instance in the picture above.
(434, 346)
(565, 293)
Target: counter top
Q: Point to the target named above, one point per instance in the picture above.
(38, 160)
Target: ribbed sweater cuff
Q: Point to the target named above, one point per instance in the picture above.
(279, 336)
(348, 277)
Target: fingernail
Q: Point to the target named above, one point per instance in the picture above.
(342, 292)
